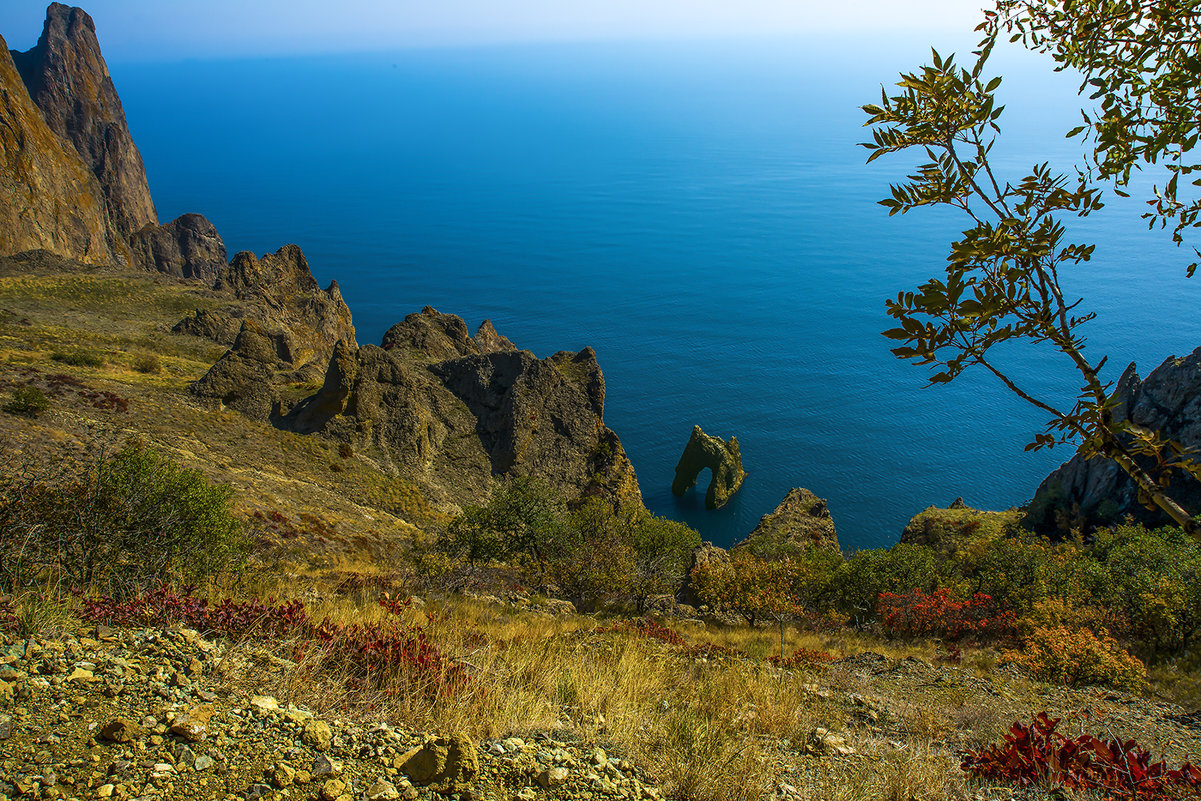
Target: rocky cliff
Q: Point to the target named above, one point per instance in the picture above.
(49, 199)
(69, 81)
(279, 290)
(1088, 492)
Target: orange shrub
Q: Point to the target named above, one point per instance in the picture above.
(1078, 656)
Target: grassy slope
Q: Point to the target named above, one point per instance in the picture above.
(706, 728)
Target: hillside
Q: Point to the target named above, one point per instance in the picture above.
(244, 555)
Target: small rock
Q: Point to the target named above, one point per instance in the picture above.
(333, 789)
(323, 766)
(104, 791)
(192, 724)
(264, 704)
(283, 776)
(257, 791)
(317, 734)
(552, 777)
(80, 674)
(120, 730)
(203, 762)
(382, 790)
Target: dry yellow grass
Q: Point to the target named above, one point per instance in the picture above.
(726, 728)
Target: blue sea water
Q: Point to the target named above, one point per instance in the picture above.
(698, 213)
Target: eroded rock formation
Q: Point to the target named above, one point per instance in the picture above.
(280, 292)
(69, 81)
(802, 520)
(453, 409)
(187, 247)
(49, 199)
(1088, 492)
(722, 458)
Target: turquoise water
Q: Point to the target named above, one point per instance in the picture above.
(698, 213)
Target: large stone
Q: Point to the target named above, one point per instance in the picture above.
(243, 378)
(49, 199)
(69, 81)
(723, 459)
(448, 761)
(119, 730)
(802, 520)
(192, 725)
(214, 325)
(187, 247)
(1088, 492)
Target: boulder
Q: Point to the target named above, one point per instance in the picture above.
(187, 247)
(49, 199)
(1087, 492)
(722, 458)
(69, 81)
(244, 377)
(802, 520)
(215, 325)
(446, 761)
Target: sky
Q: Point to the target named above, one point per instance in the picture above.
(155, 30)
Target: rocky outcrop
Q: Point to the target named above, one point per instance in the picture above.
(215, 325)
(1088, 492)
(279, 291)
(722, 458)
(244, 378)
(460, 416)
(187, 247)
(801, 521)
(49, 199)
(68, 80)
(488, 341)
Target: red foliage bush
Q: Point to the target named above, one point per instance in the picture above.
(163, 606)
(382, 656)
(645, 627)
(385, 656)
(916, 614)
(1038, 755)
(803, 658)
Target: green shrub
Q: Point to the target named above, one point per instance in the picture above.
(134, 518)
(78, 358)
(27, 401)
(147, 363)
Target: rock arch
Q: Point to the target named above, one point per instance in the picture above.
(722, 458)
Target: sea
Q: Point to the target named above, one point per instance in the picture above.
(699, 212)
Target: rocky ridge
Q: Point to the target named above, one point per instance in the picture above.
(460, 410)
